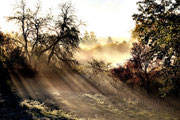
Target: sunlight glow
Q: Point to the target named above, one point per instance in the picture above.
(104, 17)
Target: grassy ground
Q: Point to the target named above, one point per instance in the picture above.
(67, 96)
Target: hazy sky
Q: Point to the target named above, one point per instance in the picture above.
(104, 17)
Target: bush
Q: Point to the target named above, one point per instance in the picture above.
(12, 58)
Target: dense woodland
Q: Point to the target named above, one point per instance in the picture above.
(154, 65)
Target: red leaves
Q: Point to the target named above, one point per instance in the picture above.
(128, 72)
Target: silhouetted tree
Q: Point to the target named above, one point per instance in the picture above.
(32, 26)
(22, 16)
(66, 38)
(39, 27)
(58, 40)
(89, 38)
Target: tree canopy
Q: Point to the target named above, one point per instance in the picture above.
(155, 62)
(158, 26)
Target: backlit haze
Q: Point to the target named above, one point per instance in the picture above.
(104, 17)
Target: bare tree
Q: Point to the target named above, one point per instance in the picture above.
(32, 24)
(22, 16)
(66, 38)
(58, 39)
(39, 24)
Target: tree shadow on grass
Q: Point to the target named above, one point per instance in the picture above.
(11, 107)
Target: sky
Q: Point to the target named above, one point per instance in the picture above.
(104, 17)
